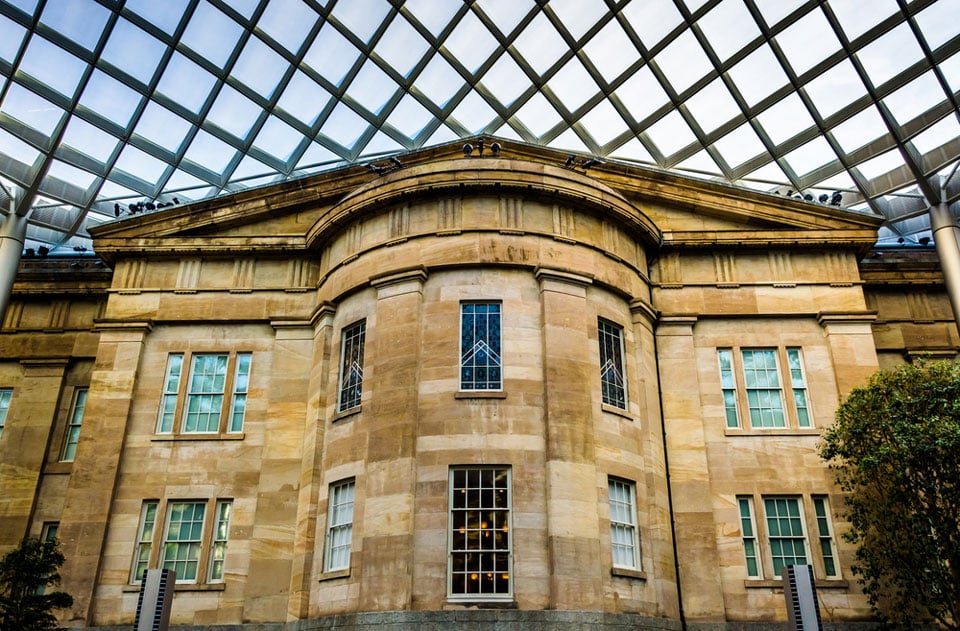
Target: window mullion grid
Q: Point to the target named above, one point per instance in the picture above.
(143, 552)
(238, 400)
(748, 532)
(74, 424)
(218, 540)
(786, 531)
(828, 550)
(171, 402)
(183, 540)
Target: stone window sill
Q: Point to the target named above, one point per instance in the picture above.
(194, 437)
(612, 409)
(778, 431)
(329, 576)
(754, 583)
(339, 416)
(480, 394)
(186, 587)
(628, 573)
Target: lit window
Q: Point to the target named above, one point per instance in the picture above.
(624, 534)
(351, 365)
(339, 526)
(141, 555)
(756, 385)
(214, 396)
(480, 363)
(5, 395)
(479, 560)
(612, 382)
(73, 425)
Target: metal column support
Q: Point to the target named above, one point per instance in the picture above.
(13, 232)
(946, 236)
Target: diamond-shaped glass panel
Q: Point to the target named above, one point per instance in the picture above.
(893, 53)
(684, 62)
(331, 55)
(578, 16)
(856, 17)
(69, 174)
(938, 22)
(652, 20)
(642, 94)
(538, 115)
(573, 85)
(435, 16)
(808, 41)
(303, 98)
(951, 71)
(344, 126)
(837, 87)
(109, 98)
(409, 117)
(186, 83)
(884, 163)
(53, 66)
(80, 20)
(11, 36)
(758, 76)
(785, 119)
(712, 106)
(603, 123)
(165, 15)
(139, 164)
(773, 11)
(401, 46)
(162, 127)
(611, 51)
(133, 50)
(278, 139)
(372, 87)
(259, 67)
(671, 133)
(740, 145)
(505, 80)
(438, 81)
(233, 112)
(474, 113)
(469, 43)
(88, 139)
(31, 109)
(948, 129)
(728, 27)
(209, 152)
(211, 34)
(809, 157)
(540, 44)
(915, 98)
(288, 23)
(860, 130)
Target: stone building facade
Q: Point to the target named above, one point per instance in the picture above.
(454, 390)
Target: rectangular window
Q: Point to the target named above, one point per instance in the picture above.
(351, 365)
(141, 555)
(624, 534)
(480, 552)
(748, 530)
(183, 539)
(828, 550)
(613, 384)
(788, 544)
(73, 425)
(218, 551)
(753, 380)
(49, 531)
(214, 395)
(480, 362)
(5, 395)
(339, 526)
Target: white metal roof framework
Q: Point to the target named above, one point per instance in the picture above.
(112, 102)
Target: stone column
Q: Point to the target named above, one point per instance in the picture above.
(573, 529)
(93, 481)
(13, 233)
(26, 439)
(305, 546)
(389, 479)
(852, 348)
(696, 537)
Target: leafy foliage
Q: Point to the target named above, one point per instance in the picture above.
(895, 450)
(25, 573)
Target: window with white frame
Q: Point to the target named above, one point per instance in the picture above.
(213, 398)
(624, 533)
(783, 531)
(339, 526)
(351, 366)
(752, 379)
(192, 542)
(480, 544)
(613, 384)
(74, 421)
(5, 395)
(480, 362)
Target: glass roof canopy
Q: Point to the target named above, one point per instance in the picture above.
(106, 103)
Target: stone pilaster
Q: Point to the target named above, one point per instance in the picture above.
(26, 439)
(852, 348)
(700, 582)
(573, 530)
(93, 481)
(394, 361)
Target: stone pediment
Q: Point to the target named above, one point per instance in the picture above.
(661, 209)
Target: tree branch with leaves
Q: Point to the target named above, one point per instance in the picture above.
(25, 574)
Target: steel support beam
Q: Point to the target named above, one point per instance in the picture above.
(946, 236)
(13, 233)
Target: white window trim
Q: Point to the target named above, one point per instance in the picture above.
(232, 389)
(786, 390)
(73, 421)
(328, 565)
(633, 527)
